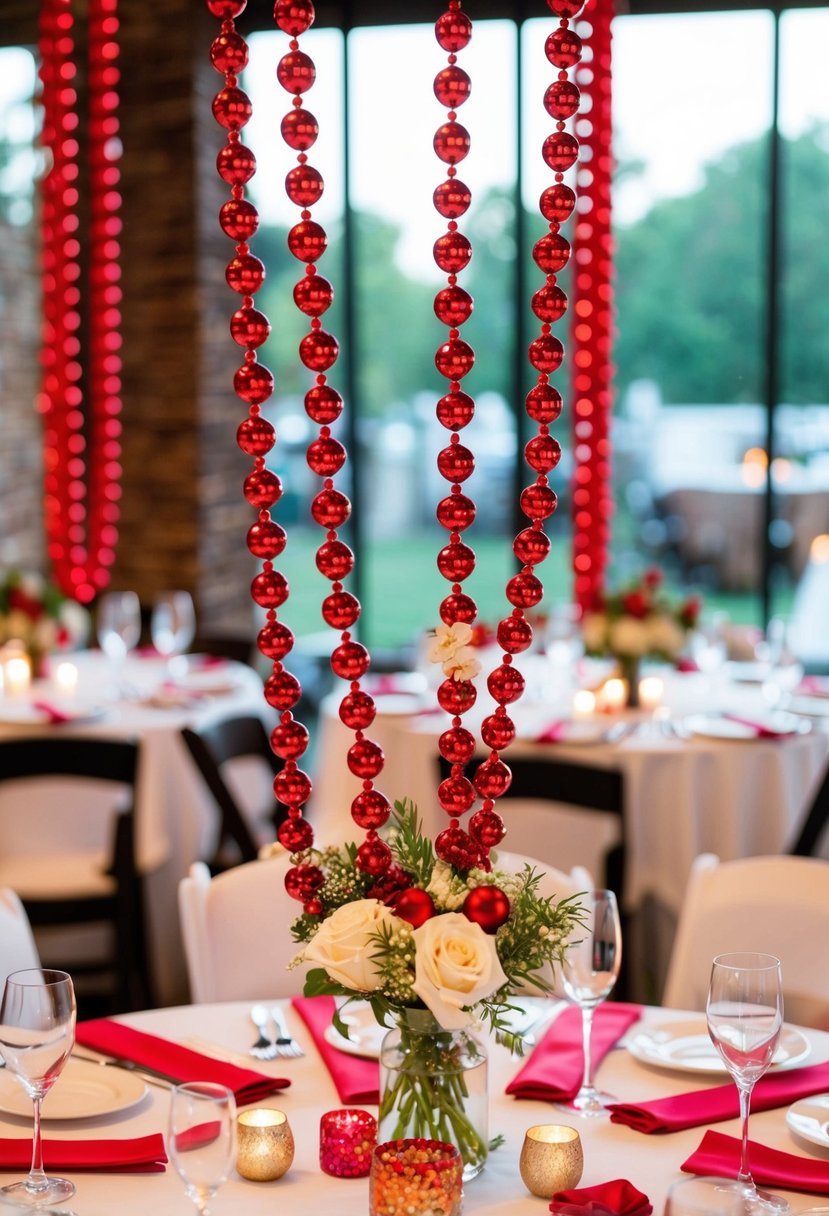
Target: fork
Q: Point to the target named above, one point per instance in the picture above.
(284, 1045)
(264, 1048)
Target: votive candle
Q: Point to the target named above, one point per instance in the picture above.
(17, 672)
(347, 1140)
(66, 678)
(551, 1159)
(650, 692)
(584, 703)
(265, 1144)
(614, 693)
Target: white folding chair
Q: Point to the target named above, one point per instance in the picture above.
(235, 928)
(778, 905)
(17, 944)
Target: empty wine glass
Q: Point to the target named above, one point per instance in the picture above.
(202, 1138)
(744, 1012)
(37, 1030)
(589, 971)
(173, 624)
(118, 624)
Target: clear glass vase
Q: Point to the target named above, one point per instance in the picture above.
(433, 1085)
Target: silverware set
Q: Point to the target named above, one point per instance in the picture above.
(272, 1043)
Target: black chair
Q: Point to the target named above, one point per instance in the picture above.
(810, 834)
(63, 890)
(212, 747)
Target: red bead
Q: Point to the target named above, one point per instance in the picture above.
(236, 164)
(300, 130)
(557, 203)
(531, 546)
(457, 745)
(492, 778)
(232, 108)
(249, 327)
(563, 48)
(543, 453)
(255, 436)
(488, 907)
(323, 404)
(253, 382)
(455, 462)
(561, 99)
(456, 847)
(498, 731)
(451, 142)
(282, 690)
(313, 907)
(296, 72)
(505, 684)
(515, 634)
(374, 857)
(274, 640)
(295, 835)
(370, 809)
(453, 306)
(226, 10)
(524, 590)
(301, 882)
(313, 295)
(455, 512)
(334, 560)
(350, 660)
(453, 30)
(488, 828)
(413, 905)
(289, 740)
(549, 303)
(229, 53)
(340, 609)
(325, 456)
(452, 198)
(565, 8)
(452, 252)
(560, 151)
(456, 696)
(458, 607)
(245, 274)
(455, 411)
(456, 561)
(452, 87)
(304, 186)
(319, 350)
(330, 509)
(551, 253)
(365, 759)
(543, 403)
(292, 786)
(262, 488)
(294, 17)
(239, 219)
(546, 353)
(357, 710)
(538, 502)
(266, 539)
(269, 589)
(307, 241)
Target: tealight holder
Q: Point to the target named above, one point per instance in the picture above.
(551, 1159)
(264, 1144)
(419, 1177)
(347, 1140)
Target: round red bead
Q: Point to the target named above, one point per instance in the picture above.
(456, 696)
(455, 512)
(330, 509)
(357, 710)
(455, 462)
(229, 52)
(531, 546)
(455, 411)
(557, 203)
(458, 607)
(562, 98)
(295, 835)
(524, 590)
(262, 488)
(350, 660)
(274, 640)
(498, 731)
(289, 739)
(236, 164)
(300, 130)
(505, 684)
(365, 759)
(551, 253)
(453, 30)
(340, 609)
(325, 456)
(282, 690)
(515, 634)
(323, 404)
(457, 745)
(543, 403)
(239, 219)
(370, 809)
(253, 382)
(456, 847)
(292, 786)
(452, 252)
(255, 436)
(543, 453)
(452, 198)
(269, 589)
(334, 560)
(488, 907)
(266, 539)
(296, 72)
(453, 306)
(456, 561)
(492, 778)
(488, 828)
(301, 882)
(313, 295)
(294, 17)
(413, 905)
(374, 857)
(538, 502)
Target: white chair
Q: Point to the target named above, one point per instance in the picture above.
(778, 905)
(17, 944)
(235, 928)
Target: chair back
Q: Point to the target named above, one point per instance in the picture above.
(235, 928)
(810, 840)
(778, 905)
(17, 944)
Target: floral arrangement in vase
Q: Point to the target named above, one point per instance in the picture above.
(34, 612)
(639, 621)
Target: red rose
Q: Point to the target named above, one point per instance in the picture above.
(19, 601)
(634, 603)
(652, 578)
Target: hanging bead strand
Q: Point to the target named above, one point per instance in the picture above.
(326, 456)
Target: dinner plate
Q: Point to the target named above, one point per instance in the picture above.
(365, 1035)
(687, 1047)
(809, 1118)
(719, 726)
(811, 707)
(82, 1091)
(24, 713)
(214, 680)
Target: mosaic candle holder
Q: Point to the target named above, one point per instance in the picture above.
(416, 1176)
(347, 1139)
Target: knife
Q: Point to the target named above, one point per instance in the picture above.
(151, 1075)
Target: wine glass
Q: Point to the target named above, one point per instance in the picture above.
(744, 1012)
(202, 1138)
(704, 1196)
(37, 1030)
(173, 624)
(118, 623)
(589, 971)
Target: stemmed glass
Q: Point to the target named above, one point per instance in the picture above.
(202, 1138)
(118, 623)
(589, 971)
(744, 1012)
(37, 1030)
(173, 624)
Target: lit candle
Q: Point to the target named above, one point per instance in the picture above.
(265, 1144)
(650, 692)
(614, 693)
(17, 672)
(584, 703)
(66, 678)
(551, 1159)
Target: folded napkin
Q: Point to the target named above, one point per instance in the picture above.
(763, 729)
(52, 712)
(356, 1078)
(182, 1063)
(143, 1155)
(719, 1155)
(722, 1102)
(814, 686)
(618, 1198)
(555, 1069)
(554, 732)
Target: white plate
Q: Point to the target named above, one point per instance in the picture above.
(365, 1035)
(809, 1118)
(82, 1091)
(24, 713)
(213, 680)
(812, 707)
(717, 726)
(686, 1047)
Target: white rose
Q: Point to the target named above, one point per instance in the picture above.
(343, 943)
(594, 632)
(456, 965)
(666, 635)
(629, 637)
(75, 620)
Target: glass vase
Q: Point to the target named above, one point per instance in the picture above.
(433, 1085)
(630, 669)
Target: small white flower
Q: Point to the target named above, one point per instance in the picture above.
(449, 639)
(463, 665)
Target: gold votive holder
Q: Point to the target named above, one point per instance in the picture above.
(551, 1159)
(265, 1144)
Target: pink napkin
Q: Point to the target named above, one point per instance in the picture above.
(357, 1079)
(676, 1113)
(552, 733)
(618, 1198)
(814, 686)
(719, 1155)
(143, 1155)
(54, 715)
(555, 1069)
(764, 731)
(124, 1043)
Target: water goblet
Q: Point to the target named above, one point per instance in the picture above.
(37, 1031)
(588, 973)
(173, 624)
(744, 1012)
(202, 1138)
(118, 624)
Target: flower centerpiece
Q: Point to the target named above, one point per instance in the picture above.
(637, 622)
(34, 612)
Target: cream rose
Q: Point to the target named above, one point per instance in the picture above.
(629, 637)
(456, 965)
(343, 943)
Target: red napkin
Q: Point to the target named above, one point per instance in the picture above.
(555, 1069)
(115, 1039)
(143, 1155)
(54, 715)
(764, 731)
(619, 1198)
(553, 733)
(357, 1079)
(722, 1102)
(719, 1155)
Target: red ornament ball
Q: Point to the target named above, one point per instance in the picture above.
(452, 198)
(505, 684)
(295, 835)
(350, 660)
(365, 760)
(458, 607)
(340, 609)
(457, 745)
(292, 786)
(303, 882)
(488, 907)
(488, 828)
(413, 905)
(253, 382)
(498, 731)
(453, 30)
(456, 794)
(289, 739)
(525, 590)
(370, 809)
(294, 17)
(374, 857)
(282, 690)
(455, 411)
(274, 640)
(313, 295)
(262, 488)
(357, 710)
(456, 696)
(456, 847)
(323, 404)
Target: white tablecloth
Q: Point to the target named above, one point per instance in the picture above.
(610, 1151)
(175, 816)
